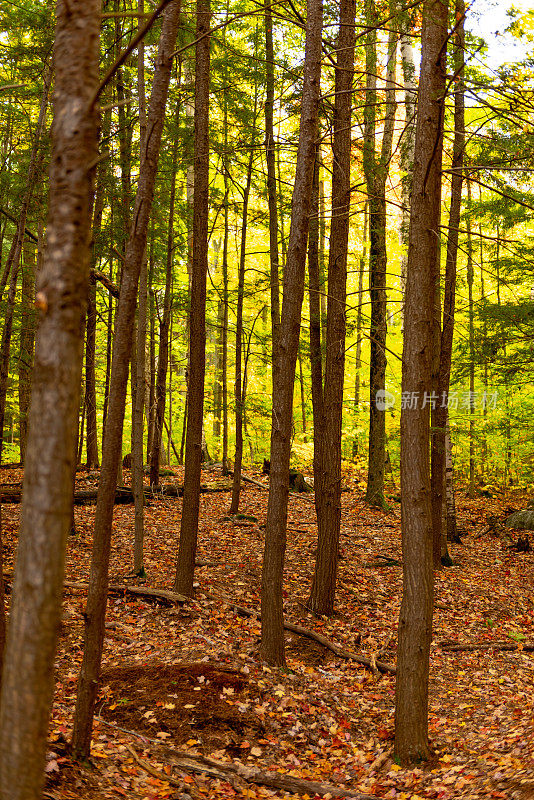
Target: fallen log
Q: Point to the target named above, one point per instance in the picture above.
(273, 780)
(371, 663)
(160, 595)
(12, 493)
(458, 647)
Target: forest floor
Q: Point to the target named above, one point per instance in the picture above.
(186, 679)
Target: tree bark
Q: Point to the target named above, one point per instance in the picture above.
(272, 628)
(185, 565)
(13, 259)
(407, 144)
(111, 456)
(28, 678)
(140, 363)
(27, 340)
(163, 357)
(376, 168)
(328, 506)
(359, 319)
(439, 411)
(238, 388)
(270, 157)
(90, 333)
(415, 620)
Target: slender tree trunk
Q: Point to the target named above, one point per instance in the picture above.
(323, 588)
(28, 677)
(163, 357)
(224, 333)
(27, 339)
(407, 144)
(415, 620)
(140, 363)
(359, 316)
(376, 169)
(152, 362)
(13, 259)
(272, 622)
(270, 154)
(316, 355)
(439, 411)
(109, 343)
(90, 331)
(185, 565)
(450, 504)
(470, 282)
(238, 389)
(135, 251)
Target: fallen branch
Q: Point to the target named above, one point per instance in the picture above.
(161, 595)
(273, 780)
(371, 663)
(162, 776)
(518, 646)
(123, 494)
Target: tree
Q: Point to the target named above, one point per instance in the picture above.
(376, 169)
(328, 475)
(272, 629)
(185, 564)
(415, 620)
(439, 411)
(28, 678)
(122, 344)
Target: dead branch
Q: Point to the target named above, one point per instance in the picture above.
(273, 780)
(160, 595)
(309, 634)
(452, 647)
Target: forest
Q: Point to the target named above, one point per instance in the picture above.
(266, 399)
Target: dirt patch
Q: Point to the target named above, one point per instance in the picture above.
(180, 702)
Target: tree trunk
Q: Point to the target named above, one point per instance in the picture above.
(135, 251)
(408, 136)
(27, 339)
(316, 355)
(439, 410)
(359, 315)
(471, 313)
(90, 332)
(323, 588)
(450, 504)
(376, 168)
(238, 389)
(163, 357)
(185, 565)
(28, 678)
(152, 362)
(13, 259)
(140, 363)
(272, 622)
(270, 157)
(415, 620)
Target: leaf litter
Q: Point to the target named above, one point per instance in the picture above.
(189, 680)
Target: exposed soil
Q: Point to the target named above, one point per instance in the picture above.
(181, 703)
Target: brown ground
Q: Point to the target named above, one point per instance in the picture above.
(190, 678)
